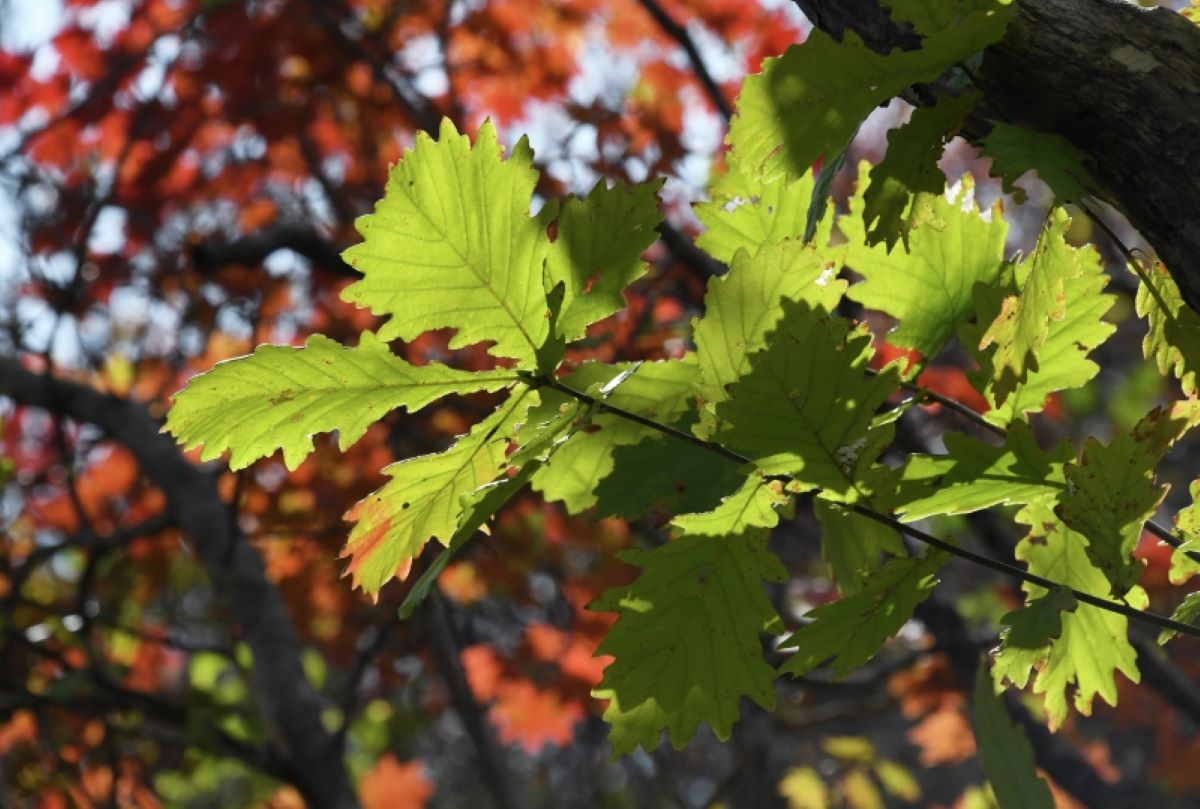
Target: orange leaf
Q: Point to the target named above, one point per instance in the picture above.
(393, 784)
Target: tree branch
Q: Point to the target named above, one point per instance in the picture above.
(290, 704)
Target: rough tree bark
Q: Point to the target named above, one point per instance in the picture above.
(1122, 83)
(310, 755)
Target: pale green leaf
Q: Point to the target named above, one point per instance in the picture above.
(810, 101)
(754, 505)
(423, 499)
(1094, 643)
(1111, 491)
(853, 545)
(1185, 613)
(1187, 526)
(848, 632)
(974, 475)
(452, 244)
(745, 214)
(1173, 336)
(806, 406)
(597, 251)
(478, 507)
(928, 288)
(280, 396)
(687, 644)
(1063, 359)
(1006, 753)
(1015, 150)
(910, 168)
(1026, 641)
(743, 306)
(1023, 323)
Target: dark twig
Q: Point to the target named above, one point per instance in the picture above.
(908, 530)
(681, 36)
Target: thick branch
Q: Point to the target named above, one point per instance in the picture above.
(289, 702)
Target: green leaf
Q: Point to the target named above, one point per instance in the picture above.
(1006, 753)
(853, 545)
(810, 101)
(1187, 526)
(1015, 150)
(666, 475)
(754, 505)
(280, 396)
(1062, 361)
(598, 251)
(452, 244)
(851, 630)
(687, 644)
(661, 391)
(1094, 643)
(424, 498)
(929, 287)
(1111, 491)
(1025, 644)
(1173, 336)
(973, 475)
(806, 406)
(745, 214)
(743, 306)
(478, 507)
(1023, 324)
(910, 168)
(1185, 613)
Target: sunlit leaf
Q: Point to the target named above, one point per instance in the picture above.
(452, 244)
(423, 499)
(279, 397)
(1094, 644)
(929, 286)
(597, 251)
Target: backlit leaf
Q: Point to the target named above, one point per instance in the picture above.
(598, 251)
(452, 244)
(928, 287)
(910, 168)
(280, 396)
(850, 631)
(806, 406)
(1094, 644)
(423, 499)
(687, 644)
(974, 475)
(1023, 324)
(1173, 336)
(742, 307)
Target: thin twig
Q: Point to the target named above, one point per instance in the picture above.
(908, 530)
(681, 36)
